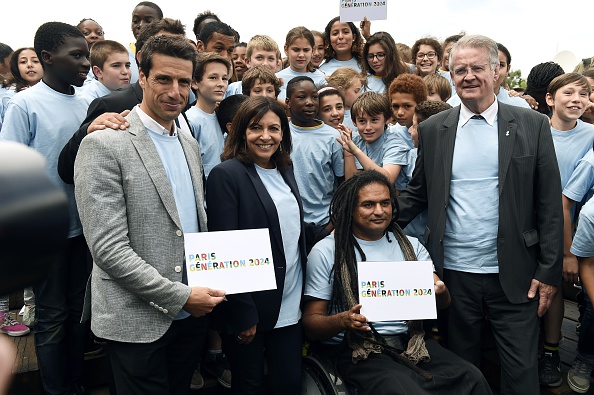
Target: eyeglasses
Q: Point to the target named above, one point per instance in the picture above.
(462, 71)
(429, 55)
(379, 56)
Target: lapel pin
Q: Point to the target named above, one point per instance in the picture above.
(507, 133)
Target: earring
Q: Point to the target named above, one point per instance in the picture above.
(280, 147)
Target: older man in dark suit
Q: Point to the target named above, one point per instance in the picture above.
(488, 175)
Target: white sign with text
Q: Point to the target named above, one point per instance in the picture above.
(357, 10)
(394, 291)
(235, 261)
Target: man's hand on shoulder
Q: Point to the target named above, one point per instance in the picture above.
(109, 120)
(546, 294)
(202, 300)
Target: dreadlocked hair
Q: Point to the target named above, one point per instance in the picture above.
(344, 287)
(342, 206)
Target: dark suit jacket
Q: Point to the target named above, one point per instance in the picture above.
(117, 101)
(236, 198)
(529, 238)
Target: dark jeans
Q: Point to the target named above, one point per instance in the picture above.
(282, 349)
(586, 339)
(59, 335)
(162, 367)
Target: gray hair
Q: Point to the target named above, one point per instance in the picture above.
(479, 42)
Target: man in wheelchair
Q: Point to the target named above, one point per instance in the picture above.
(381, 357)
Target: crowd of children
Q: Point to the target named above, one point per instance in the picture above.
(354, 100)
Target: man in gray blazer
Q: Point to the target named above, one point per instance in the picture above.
(138, 192)
(488, 175)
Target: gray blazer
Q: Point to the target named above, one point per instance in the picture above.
(529, 239)
(133, 230)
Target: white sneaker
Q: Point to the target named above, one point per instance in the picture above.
(29, 315)
(578, 377)
(197, 379)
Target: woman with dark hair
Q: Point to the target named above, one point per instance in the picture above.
(345, 46)
(254, 187)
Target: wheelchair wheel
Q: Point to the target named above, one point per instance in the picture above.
(317, 380)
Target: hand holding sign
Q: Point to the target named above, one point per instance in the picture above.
(394, 291)
(442, 294)
(236, 261)
(363, 10)
(353, 319)
(202, 300)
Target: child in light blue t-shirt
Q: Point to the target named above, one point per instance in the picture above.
(350, 83)
(298, 48)
(110, 66)
(44, 117)
(381, 62)
(210, 82)
(405, 92)
(345, 46)
(261, 50)
(375, 147)
(317, 155)
(567, 97)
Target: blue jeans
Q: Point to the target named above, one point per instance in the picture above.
(59, 335)
(585, 349)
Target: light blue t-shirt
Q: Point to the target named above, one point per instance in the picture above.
(330, 66)
(133, 65)
(470, 238)
(317, 160)
(5, 95)
(93, 90)
(45, 120)
(287, 210)
(234, 88)
(386, 150)
(571, 146)
(503, 96)
(582, 179)
(403, 135)
(374, 84)
(176, 167)
(320, 277)
(209, 135)
(405, 174)
(583, 241)
(90, 77)
(288, 74)
(348, 122)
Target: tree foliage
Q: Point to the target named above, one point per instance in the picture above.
(515, 80)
